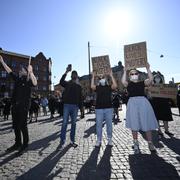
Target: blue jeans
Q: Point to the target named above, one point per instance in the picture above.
(101, 115)
(72, 111)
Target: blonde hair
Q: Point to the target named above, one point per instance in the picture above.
(132, 70)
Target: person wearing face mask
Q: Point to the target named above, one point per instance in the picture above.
(139, 114)
(72, 99)
(162, 108)
(103, 109)
(21, 98)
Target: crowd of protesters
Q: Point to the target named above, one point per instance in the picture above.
(142, 113)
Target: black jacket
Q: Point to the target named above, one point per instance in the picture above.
(72, 93)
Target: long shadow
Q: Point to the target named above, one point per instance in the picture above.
(91, 130)
(48, 120)
(151, 167)
(43, 143)
(88, 170)
(44, 169)
(9, 158)
(104, 166)
(91, 119)
(6, 128)
(6, 123)
(172, 143)
(40, 145)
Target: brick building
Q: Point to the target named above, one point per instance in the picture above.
(41, 69)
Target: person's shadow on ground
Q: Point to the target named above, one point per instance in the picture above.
(145, 166)
(40, 145)
(44, 169)
(92, 171)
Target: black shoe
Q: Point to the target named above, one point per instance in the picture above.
(73, 144)
(22, 148)
(168, 133)
(13, 148)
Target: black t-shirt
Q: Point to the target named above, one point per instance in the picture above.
(22, 90)
(103, 97)
(136, 89)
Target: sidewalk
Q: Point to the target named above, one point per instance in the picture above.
(43, 160)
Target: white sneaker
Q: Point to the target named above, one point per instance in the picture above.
(151, 147)
(98, 144)
(136, 147)
(110, 142)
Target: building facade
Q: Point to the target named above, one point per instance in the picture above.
(41, 68)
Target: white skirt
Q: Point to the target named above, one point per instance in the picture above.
(140, 115)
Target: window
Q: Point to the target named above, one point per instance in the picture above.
(44, 88)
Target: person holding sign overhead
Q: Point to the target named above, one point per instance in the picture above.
(140, 114)
(103, 107)
(20, 103)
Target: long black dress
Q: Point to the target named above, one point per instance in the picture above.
(162, 108)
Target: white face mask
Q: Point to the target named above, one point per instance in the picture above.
(134, 78)
(102, 82)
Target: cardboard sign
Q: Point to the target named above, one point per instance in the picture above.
(135, 55)
(101, 65)
(163, 91)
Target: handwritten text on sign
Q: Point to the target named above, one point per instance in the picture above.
(101, 65)
(163, 91)
(135, 55)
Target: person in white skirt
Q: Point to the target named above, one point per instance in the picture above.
(139, 113)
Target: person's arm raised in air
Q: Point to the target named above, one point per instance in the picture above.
(123, 80)
(148, 81)
(31, 75)
(93, 86)
(6, 67)
(62, 80)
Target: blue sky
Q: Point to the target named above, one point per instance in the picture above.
(61, 30)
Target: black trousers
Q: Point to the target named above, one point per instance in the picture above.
(19, 118)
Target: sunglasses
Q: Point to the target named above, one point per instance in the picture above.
(134, 74)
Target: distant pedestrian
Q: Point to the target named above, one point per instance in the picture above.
(7, 108)
(103, 109)
(44, 104)
(116, 105)
(52, 105)
(178, 100)
(72, 97)
(140, 114)
(20, 104)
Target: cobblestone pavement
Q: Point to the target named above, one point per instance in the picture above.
(44, 161)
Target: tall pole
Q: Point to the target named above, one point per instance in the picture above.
(89, 59)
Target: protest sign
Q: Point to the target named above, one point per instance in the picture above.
(101, 65)
(135, 55)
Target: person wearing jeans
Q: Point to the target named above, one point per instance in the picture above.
(72, 97)
(69, 110)
(103, 109)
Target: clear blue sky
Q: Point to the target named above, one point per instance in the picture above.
(61, 30)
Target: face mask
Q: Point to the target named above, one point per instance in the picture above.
(134, 78)
(102, 82)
